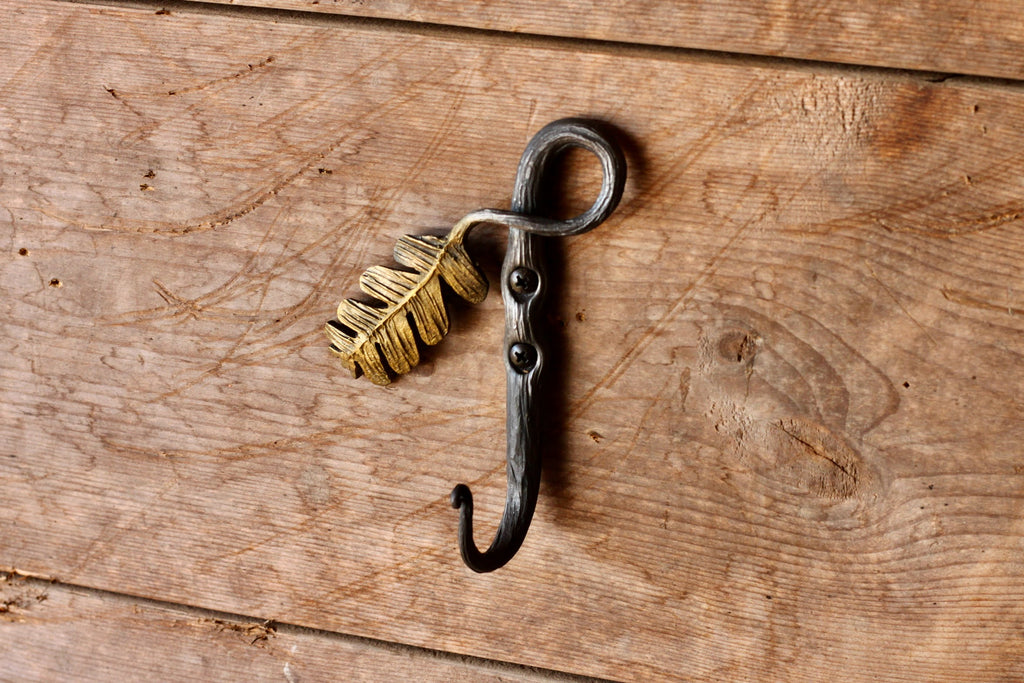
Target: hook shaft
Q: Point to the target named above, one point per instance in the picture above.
(523, 287)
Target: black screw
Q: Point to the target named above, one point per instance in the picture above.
(522, 357)
(523, 280)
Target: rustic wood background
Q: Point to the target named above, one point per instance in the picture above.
(790, 441)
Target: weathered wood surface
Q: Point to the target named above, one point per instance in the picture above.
(791, 440)
(956, 36)
(50, 632)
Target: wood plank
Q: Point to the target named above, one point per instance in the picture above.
(51, 632)
(791, 440)
(955, 36)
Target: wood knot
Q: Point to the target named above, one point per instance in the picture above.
(739, 346)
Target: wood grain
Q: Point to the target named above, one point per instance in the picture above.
(787, 439)
(50, 632)
(956, 36)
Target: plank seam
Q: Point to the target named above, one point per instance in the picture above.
(526, 39)
(494, 666)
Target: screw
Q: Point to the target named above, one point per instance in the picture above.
(523, 280)
(523, 357)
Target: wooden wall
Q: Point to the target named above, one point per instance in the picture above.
(788, 441)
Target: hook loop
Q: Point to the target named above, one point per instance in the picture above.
(551, 140)
(523, 286)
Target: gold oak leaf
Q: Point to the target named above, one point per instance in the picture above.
(365, 336)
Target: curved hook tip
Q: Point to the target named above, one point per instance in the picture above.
(461, 496)
(462, 500)
(502, 549)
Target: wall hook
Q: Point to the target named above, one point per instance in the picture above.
(368, 337)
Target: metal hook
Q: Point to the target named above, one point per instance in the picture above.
(523, 286)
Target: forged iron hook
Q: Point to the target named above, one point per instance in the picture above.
(523, 287)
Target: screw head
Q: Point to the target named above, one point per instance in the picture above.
(523, 280)
(522, 356)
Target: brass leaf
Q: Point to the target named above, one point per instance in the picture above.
(366, 337)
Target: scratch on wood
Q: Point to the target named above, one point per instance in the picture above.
(242, 73)
(842, 478)
(108, 535)
(896, 220)
(192, 308)
(49, 49)
(210, 221)
(964, 299)
(901, 306)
